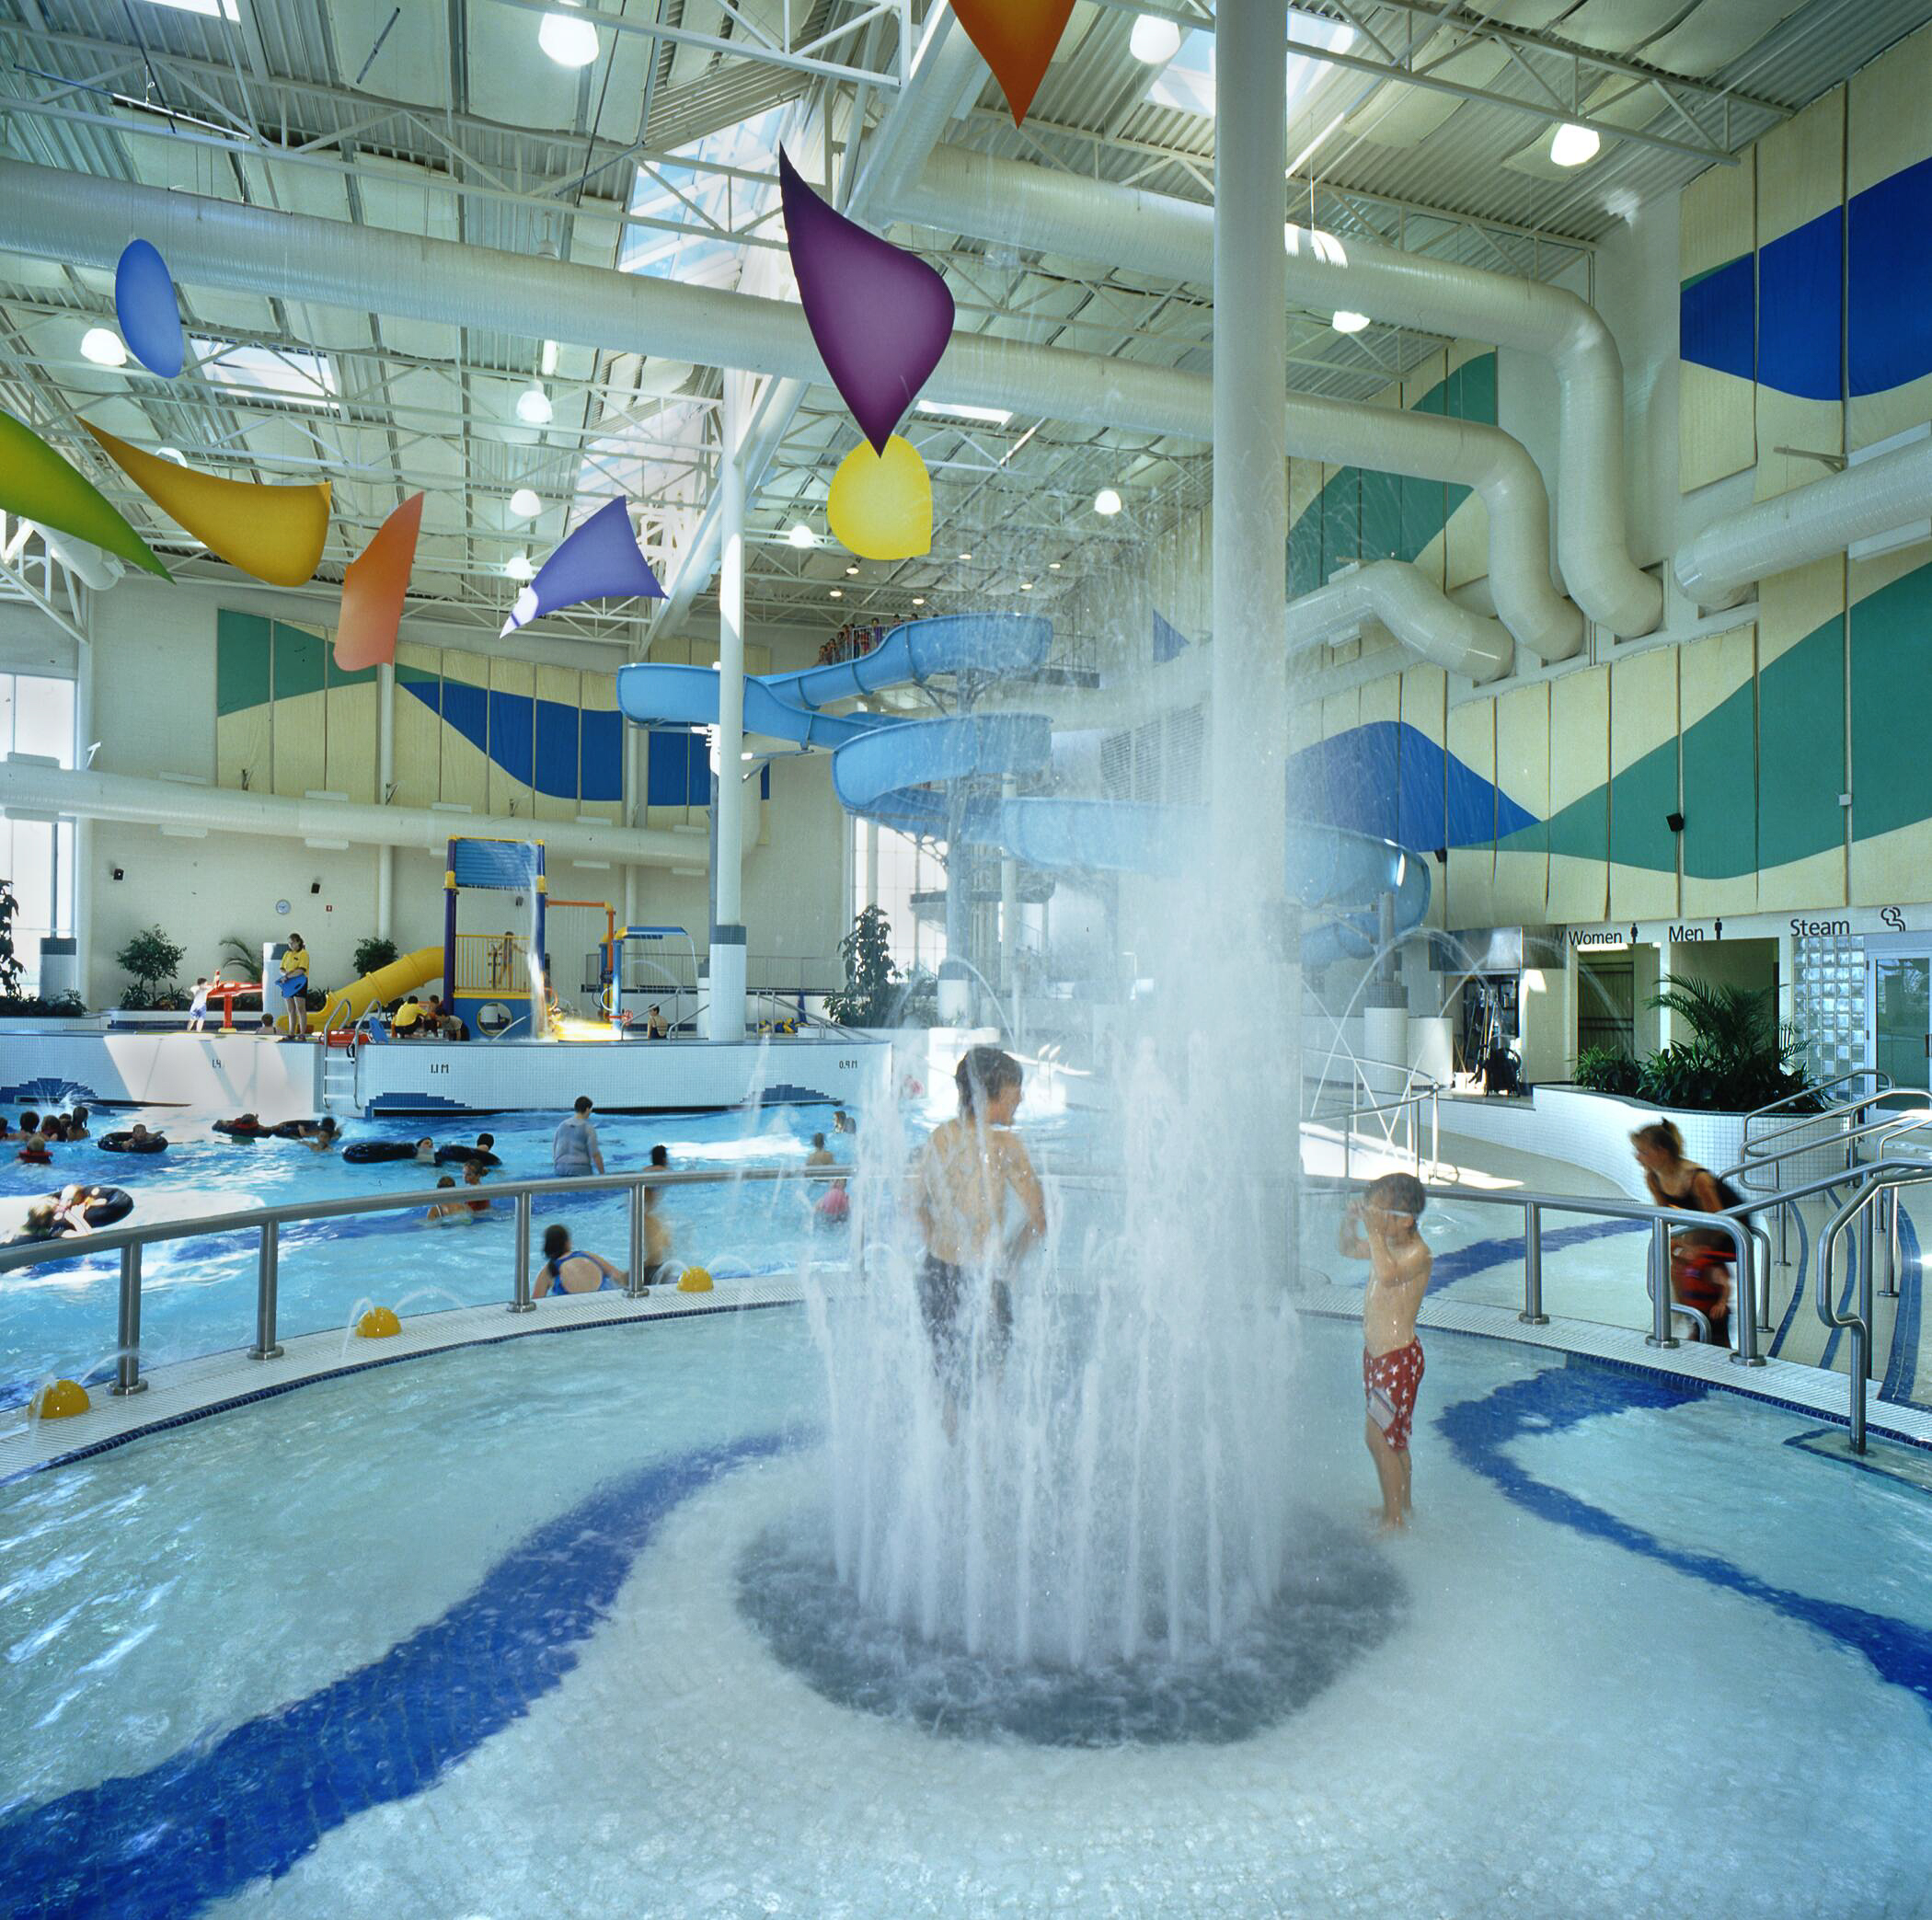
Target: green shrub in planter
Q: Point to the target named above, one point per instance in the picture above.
(1606, 1070)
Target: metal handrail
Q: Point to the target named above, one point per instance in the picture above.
(268, 1221)
(1882, 1176)
(1845, 1109)
(1742, 1235)
(1874, 1073)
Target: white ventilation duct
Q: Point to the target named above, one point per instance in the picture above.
(44, 790)
(1412, 608)
(965, 193)
(1718, 566)
(83, 221)
(91, 564)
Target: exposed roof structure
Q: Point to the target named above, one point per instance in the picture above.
(1427, 126)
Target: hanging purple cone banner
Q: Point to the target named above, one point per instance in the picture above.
(145, 306)
(599, 561)
(881, 315)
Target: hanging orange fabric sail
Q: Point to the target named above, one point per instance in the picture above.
(274, 532)
(1017, 39)
(373, 590)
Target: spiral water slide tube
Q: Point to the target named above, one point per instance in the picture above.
(892, 770)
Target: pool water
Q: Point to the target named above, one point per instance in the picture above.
(464, 1636)
(199, 1294)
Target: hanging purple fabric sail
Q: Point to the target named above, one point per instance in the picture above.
(145, 306)
(881, 315)
(599, 561)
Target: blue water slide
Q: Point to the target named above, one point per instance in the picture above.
(886, 768)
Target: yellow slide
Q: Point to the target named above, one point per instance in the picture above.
(347, 1005)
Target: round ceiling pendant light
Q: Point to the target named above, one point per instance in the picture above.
(570, 42)
(1154, 40)
(525, 504)
(103, 346)
(1573, 146)
(1106, 502)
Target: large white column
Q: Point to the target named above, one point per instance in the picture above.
(1008, 901)
(871, 863)
(1250, 931)
(83, 876)
(385, 786)
(726, 997)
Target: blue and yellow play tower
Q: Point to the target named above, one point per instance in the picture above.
(497, 980)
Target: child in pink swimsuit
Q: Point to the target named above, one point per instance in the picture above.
(1380, 1230)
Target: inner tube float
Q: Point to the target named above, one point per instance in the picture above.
(125, 1143)
(109, 1205)
(366, 1151)
(296, 1129)
(234, 1130)
(461, 1155)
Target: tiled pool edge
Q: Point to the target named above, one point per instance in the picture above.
(1787, 1384)
(190, 1390)
(218, 1383)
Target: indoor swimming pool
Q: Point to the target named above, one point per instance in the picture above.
(496, 1620)
(198, 1292)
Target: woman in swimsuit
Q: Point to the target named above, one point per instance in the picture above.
(567, 1271)
(1700, 1260)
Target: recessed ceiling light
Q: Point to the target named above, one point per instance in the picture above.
(567, 42)
(965, 556)
(532, 406)
(1572, 145)
(802, 536)
(838, 593)
(103, 346)
(1026, 586)
(918, 599)
(548, 363)
(850, 571)
(1343, 320)
(1154, 40)
(1106, 502)
(994, 415)
(519, 567)
(1052, 565)
(524, 503)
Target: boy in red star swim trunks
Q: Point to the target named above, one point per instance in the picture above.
(1381, 1228)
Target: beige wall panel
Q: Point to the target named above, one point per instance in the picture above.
(563, 685)
(1888, 129)
(1643, 723)
(350, 763)
(1716, 431)
(418, 750)
(244, 745)
(507, 794)
(1472, 868)
(1523, 773)
(1802, 721)
(1579, 780)
(464, 766)
(301, 744)
(1717, 725)
(1800, 174)
(1425, 709)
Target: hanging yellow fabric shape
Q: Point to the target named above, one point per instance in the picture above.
(274, 532)
(882, 508)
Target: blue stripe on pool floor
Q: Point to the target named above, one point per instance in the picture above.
(1459, 1262)
(1481, 1430)
(248, 1804)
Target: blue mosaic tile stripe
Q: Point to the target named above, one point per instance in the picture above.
(1480, 1432)
(248, 1806)
(1479, 1256)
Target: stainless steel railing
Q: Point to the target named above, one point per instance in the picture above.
(1883, 1177)
(1744, 1239)
(268, 1221)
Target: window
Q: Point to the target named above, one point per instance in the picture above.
(287, 373)
(1187, 82)
(912, 890)
(36, 855)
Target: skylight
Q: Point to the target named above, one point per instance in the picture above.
(214, 9)
(959, 409)
(1187, 82)
(285, 373)
(667, 192)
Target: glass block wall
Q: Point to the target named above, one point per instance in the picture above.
(1828, 1003)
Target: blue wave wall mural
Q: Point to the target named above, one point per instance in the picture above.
(1390, 779)
(1778, 314)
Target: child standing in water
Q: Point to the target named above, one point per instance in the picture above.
(961, 1183)
(1381, 1228)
